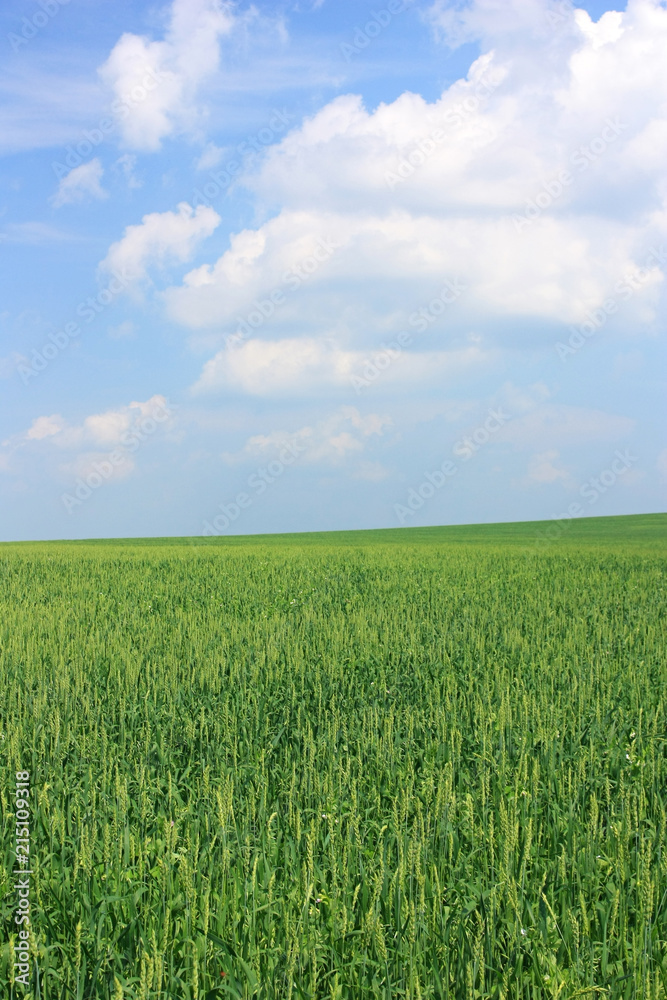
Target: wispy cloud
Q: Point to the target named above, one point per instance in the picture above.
(80, 184)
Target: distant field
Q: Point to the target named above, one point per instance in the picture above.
(650, 529)
(408, 763)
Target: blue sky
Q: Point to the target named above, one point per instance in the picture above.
(317, 266)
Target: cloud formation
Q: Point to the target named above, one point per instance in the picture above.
(306, 367)
(156, 83)
(80, 184)
(343, 433)
(536, 181)
(496, 245)
(76, 446)
(160, 238)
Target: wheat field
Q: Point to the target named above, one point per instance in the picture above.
(410, 764)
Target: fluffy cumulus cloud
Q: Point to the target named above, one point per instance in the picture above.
(160, 238)
(45, 427)
(475, 272)
(156, 83)
(308, 366)
(112, 437)
(535, 185)
(80, 184)
(342, 434)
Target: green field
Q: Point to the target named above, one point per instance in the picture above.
(407, 763)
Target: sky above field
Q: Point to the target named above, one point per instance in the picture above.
(322, 265)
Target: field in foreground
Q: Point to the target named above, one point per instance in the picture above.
(426, 763)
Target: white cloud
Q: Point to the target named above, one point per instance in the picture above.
(286, 255)
(80, 183)
(122, 430)
(156, 83)
(44, 427)
(308, 366)
(542, 469)
(105, 428)
(342, 434)
(542, 99)
(261, 368)
(160, 238)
